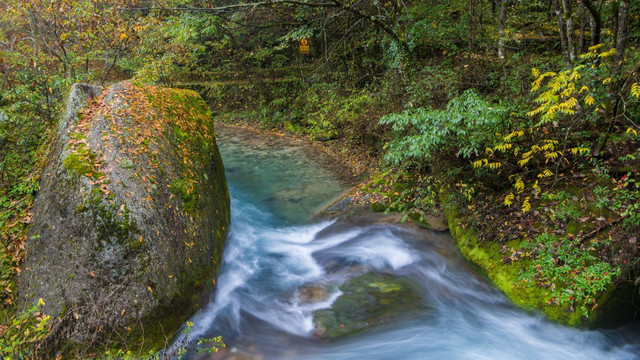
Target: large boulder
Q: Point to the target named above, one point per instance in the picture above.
(130, 220)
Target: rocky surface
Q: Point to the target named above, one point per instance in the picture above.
(130, 221)
(367, 301)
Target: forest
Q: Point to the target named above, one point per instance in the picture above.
(519, 120)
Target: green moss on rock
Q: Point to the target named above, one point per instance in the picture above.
(369, 300)
(133, 214)
(488, 259)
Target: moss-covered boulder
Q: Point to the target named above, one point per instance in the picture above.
(616, 302)
(130, 220)
(367, 301)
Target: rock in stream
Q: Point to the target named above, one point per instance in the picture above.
(130, 220)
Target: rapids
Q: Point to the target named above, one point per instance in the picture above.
(276, 247)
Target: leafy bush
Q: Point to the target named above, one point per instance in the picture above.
(24, 330)
(571, 269)
(464, 128)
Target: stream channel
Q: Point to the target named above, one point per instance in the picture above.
(276, 247)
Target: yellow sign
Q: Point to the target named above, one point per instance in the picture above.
(304, 47)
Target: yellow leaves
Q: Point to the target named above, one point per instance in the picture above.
(485, 163)
(123, 36)
(552, 155)
(579, 150)
(589, 100)
(535, 72)
(503, 147)
(526, 206)
(150, 289)
(508, 200)
(509, 137)
(582, 89)
(545, 173)
(632, 131)
(524, 160)
(604, 54)
(606, 81)
(635, 90)
(519, 185)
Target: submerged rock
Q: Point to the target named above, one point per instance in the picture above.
(130, 221)
(313, 293)
(367, 301)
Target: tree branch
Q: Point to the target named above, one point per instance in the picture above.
(233, 7)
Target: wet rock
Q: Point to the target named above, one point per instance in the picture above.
(431, 222)
(130, 220)
(313, 293)
(236, 354)
(367, 301)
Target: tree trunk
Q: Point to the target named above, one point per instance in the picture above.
(583, 26)
(596, 21)
(563, 31)
(472, 24)
(621, 38)
(568, 18)
(502, 22)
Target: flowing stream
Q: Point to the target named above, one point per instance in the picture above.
(276, 247)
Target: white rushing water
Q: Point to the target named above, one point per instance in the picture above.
(272, 253)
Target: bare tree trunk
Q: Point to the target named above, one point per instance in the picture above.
(563, 31)
(472, 24)
(568, 18)
(614, 21)
(621, 36)
(596, 21)
(502, 22)
(325, 43)
(583, 26)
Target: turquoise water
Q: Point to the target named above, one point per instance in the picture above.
(276, 247)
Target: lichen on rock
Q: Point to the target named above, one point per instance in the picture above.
(130, 221)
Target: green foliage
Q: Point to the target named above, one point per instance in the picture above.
(24, 330)
(464, 128)
(571, 268)
(622, 196)
(173, 44)
(403, 191)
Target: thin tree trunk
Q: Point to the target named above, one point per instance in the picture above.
(595, 23)
(568, 18)
(502, 21)
(614, 21)
(563, 31)
(621, 38)
(472, 24)
(583, 26)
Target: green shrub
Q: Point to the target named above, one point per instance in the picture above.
(464, 128)
(571, 268)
